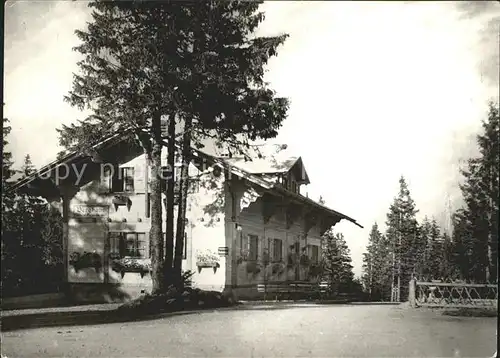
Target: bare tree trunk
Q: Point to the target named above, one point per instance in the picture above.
(183, 192)
(169, 215)
(155, 233)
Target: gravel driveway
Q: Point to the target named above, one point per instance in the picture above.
(276, 330)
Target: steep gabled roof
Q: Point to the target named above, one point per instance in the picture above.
(268, 160)
(267, 184)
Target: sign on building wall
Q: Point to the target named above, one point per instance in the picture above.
(89, 213)
(223, 251)
(90, 210)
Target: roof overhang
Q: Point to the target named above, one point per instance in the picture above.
(331, 214)
(43, 176)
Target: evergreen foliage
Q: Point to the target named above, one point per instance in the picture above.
(195, 65)
(31, 236)
(475, 234)
(377, 268)
(423, 251)
(403, 236)
(336, 263)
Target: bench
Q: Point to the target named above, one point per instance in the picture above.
(293, 289)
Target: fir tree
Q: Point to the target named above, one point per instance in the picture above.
(403, 236)
(377, 266)
(337, 267)
(462, 250)
(31, 235)
(475, 233)
(429, 264)
(196, 64)
(7, 172)
(228, 96)
(447, 271)
(369, 258)
(489, 145)
(31, 212)
(423, 268)
(10, 245)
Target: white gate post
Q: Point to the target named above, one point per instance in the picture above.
(412, 293)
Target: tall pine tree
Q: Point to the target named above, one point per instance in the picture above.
(10, 245)
(447, 271)
(31, 235)
(197, 64)
(489, 145)
(475, 233)
(429, 265)
(7, 172)
(377, 266)
(336, 263)
(403, 236)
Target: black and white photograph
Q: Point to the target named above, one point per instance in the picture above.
(223, 178)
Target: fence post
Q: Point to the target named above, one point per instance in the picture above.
(412, 293)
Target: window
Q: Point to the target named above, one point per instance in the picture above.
(244, 246)
(296, 247)
(285, 183)
(115, 243)
(294, 186)
(267, 254)
(313, 253)
(277, 250)
(136, 245)
(106, 179)
(130, 244)
(253, 249)
(128, 179)
(123, 180)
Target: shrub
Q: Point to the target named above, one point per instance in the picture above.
(174, 300)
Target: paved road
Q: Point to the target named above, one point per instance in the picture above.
(269, 331)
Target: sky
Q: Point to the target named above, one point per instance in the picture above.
(377, 90)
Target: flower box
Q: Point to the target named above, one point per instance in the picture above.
(85, 260)
(277, 268)
(214, 266)
(130, 264)
(207, 259)
(253, 267)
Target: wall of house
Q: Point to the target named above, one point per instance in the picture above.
(248, 273)
(216, 207)
(94, 218)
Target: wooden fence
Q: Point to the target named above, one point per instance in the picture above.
(456, 295)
